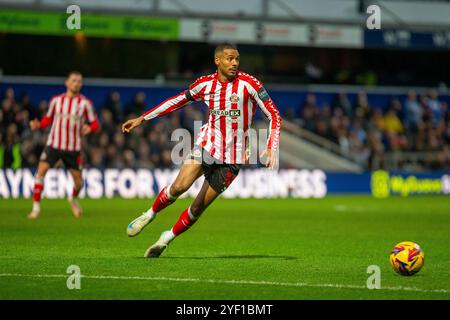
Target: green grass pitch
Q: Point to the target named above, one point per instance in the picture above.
(239, 249)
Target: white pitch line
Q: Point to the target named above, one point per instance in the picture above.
(238, 282)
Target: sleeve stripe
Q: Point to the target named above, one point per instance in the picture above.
(167, 106)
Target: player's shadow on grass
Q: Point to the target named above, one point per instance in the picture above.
(251, 256)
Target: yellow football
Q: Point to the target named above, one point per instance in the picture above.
(407, 258)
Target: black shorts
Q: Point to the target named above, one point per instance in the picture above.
(71, 159)
(219, 175)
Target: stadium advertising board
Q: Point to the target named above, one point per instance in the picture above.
(337, 36)
(384, 184)
(223, 30)
(54, 23)
(192, 30)
(285, 33)
(143, 183)
(438, 40)
(250, 183)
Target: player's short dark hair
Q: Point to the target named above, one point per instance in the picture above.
(224, 46)
(74, 72)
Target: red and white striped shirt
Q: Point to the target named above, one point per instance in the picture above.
(67, 115)
(232, 108)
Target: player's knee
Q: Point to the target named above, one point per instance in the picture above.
(197, 210)
(177, 189)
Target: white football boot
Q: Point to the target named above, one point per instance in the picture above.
(33, 215)
(136, 226)
(159, 246)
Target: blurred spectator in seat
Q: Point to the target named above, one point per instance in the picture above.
(144, 155)
(344, 143)
(107, 121)
(394, 129)
(362, 108)
(392, 123)
(289, 114)
(413, 111)
(435, 107)
(96, 158)
(376, 121)
(12, 157)
(309, 112)
(166, 159)
(359, 132)
(10, 96)
(8, 114)
(114, 104)
(27, 106)
(129, 159)
(191, 115)
(137, 106)
(341, 101)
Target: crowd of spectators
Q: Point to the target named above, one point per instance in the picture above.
(362, 131)
(148, 146)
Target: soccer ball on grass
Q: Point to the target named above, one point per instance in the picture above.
(407, 258)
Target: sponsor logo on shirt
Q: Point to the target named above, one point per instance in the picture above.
(227, 113)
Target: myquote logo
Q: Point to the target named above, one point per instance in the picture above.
(383, 185)
(380, 184)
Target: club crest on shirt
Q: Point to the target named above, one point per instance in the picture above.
(234, 98)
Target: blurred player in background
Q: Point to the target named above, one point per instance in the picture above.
(71, 116)
(222, 145)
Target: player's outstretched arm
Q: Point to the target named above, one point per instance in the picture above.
(34, 124)
(47, 120)
(131, 124)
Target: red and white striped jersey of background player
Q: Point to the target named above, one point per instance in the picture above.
(232, 109)
(67, 115)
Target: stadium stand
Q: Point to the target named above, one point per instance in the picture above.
(369, 129)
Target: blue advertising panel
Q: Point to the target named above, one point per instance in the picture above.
(439, 40)
(250, 183)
